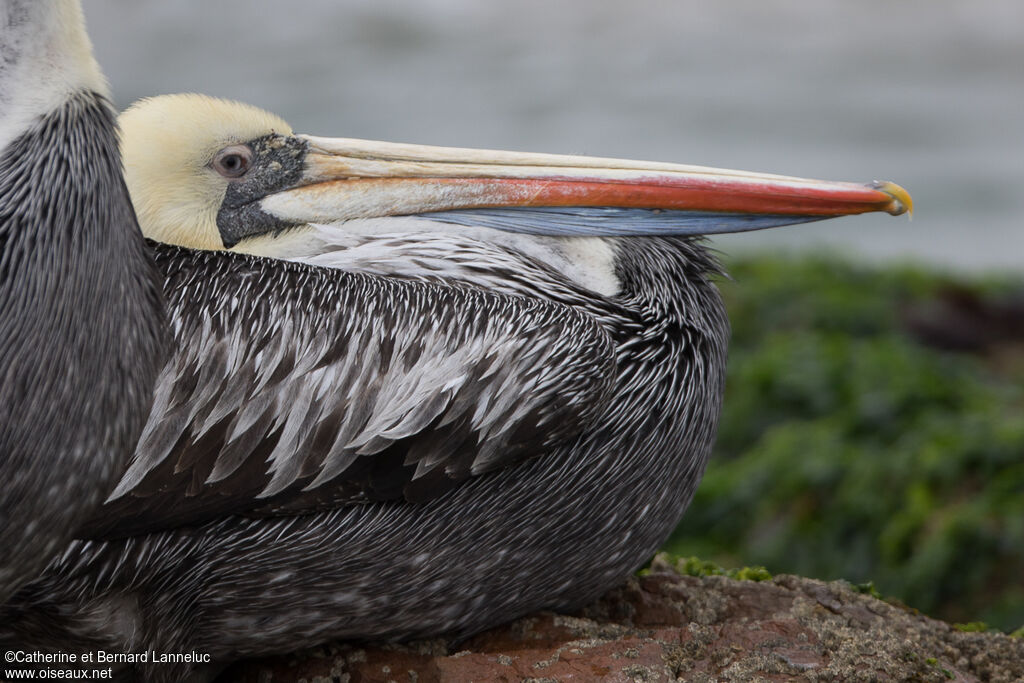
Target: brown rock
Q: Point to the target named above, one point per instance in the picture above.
(667, 627)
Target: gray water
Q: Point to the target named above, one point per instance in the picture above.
(927, 93)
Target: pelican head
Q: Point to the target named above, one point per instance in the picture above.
(213, 174)
(182, 153)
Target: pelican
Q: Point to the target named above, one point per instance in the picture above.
(81, 319)
(416, 391)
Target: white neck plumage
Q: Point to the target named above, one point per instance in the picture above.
(417, 248)
(45, 58)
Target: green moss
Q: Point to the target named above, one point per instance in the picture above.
(694, 566)
(849, 450)
(867, 588)
(973, 627)
(750, 574)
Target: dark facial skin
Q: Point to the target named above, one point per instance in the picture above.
(257, 168)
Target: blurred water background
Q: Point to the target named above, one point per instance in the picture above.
(928, 93)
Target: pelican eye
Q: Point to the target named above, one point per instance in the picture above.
(233, 161)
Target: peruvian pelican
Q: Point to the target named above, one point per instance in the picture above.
(498, 397)
(81, 318)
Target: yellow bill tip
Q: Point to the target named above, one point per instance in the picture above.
(901, 203)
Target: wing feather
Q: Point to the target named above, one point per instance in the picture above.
(318, 388)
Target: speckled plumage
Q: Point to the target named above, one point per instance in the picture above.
(80, 330)
(631, 416)
(296, 387)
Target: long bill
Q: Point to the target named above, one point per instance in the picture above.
(347, 179)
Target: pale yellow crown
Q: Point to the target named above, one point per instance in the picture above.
(167, 143)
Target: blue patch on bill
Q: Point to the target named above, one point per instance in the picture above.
(614, 222)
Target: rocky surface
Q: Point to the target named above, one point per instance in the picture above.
(665, 626)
